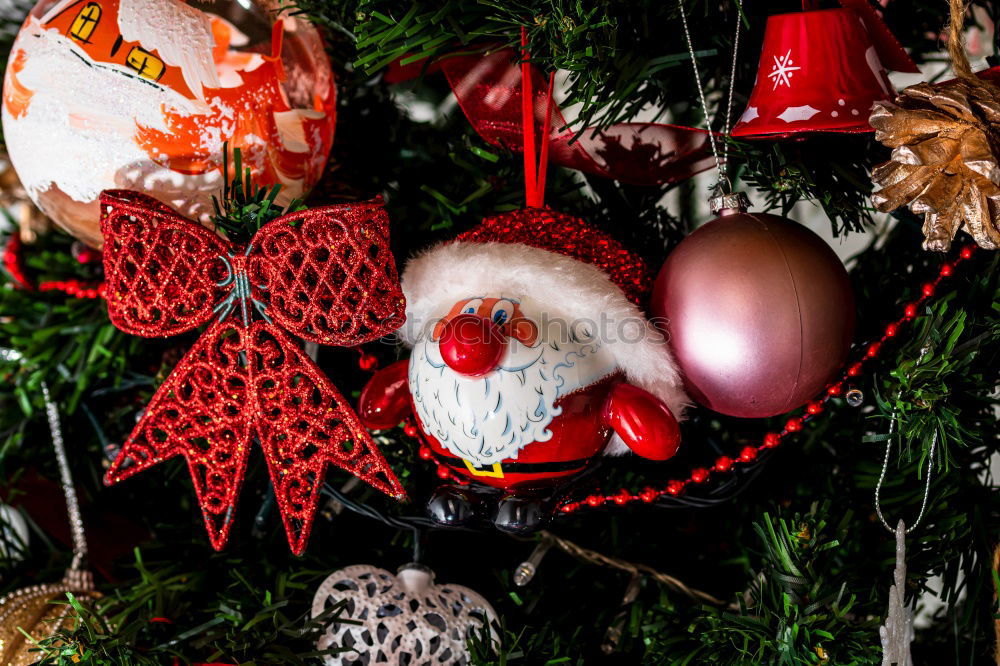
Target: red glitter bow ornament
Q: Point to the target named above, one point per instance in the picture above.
(325, 275)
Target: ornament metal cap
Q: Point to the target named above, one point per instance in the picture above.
(415, 566)
(726, 204)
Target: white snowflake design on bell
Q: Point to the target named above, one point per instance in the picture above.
(782, 71)
(404, 619)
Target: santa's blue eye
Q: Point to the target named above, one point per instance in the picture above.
(471, 306)
(502, 311)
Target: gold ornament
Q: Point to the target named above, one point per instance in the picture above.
(32, 610)
(944, 161)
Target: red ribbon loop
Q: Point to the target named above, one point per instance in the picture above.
(488, 89)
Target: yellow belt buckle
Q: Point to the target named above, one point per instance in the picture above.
(496, 473)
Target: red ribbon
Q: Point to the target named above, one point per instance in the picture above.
(534, 172)
(487, 86)
(325, 275)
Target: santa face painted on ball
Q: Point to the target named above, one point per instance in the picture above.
(530, 359)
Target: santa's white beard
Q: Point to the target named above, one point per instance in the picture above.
(488, 419)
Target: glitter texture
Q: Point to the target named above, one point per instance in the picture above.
(570, 236)
(41, 611)
(325, 275)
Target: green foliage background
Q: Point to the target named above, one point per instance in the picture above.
(796, 547)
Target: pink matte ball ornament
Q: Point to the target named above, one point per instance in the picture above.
(758, 311)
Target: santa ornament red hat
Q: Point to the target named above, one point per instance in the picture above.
(569, 268)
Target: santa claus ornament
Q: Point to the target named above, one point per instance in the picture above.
(143, 94)
(531, 358)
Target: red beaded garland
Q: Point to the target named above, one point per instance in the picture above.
(75, 288)
(699, 475)
(723, 464)
(367, 362)
(12, 261)
(772, 439)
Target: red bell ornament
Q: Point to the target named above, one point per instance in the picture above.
(821, 71)
(758, 312)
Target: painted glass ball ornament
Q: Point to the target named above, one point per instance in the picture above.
(758, 311)
(144, 94)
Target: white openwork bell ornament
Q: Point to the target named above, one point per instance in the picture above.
(401, 619)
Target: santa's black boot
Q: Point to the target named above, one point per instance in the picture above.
(452, 506)
(521, 514)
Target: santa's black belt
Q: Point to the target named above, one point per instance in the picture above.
(497, 470)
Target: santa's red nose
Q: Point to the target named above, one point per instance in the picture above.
(471, 345)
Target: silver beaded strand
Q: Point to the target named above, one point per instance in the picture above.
(72, 504)
(65, 477)
(885, 467)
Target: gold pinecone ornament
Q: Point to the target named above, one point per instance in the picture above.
(945, 141)
(32, 609)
